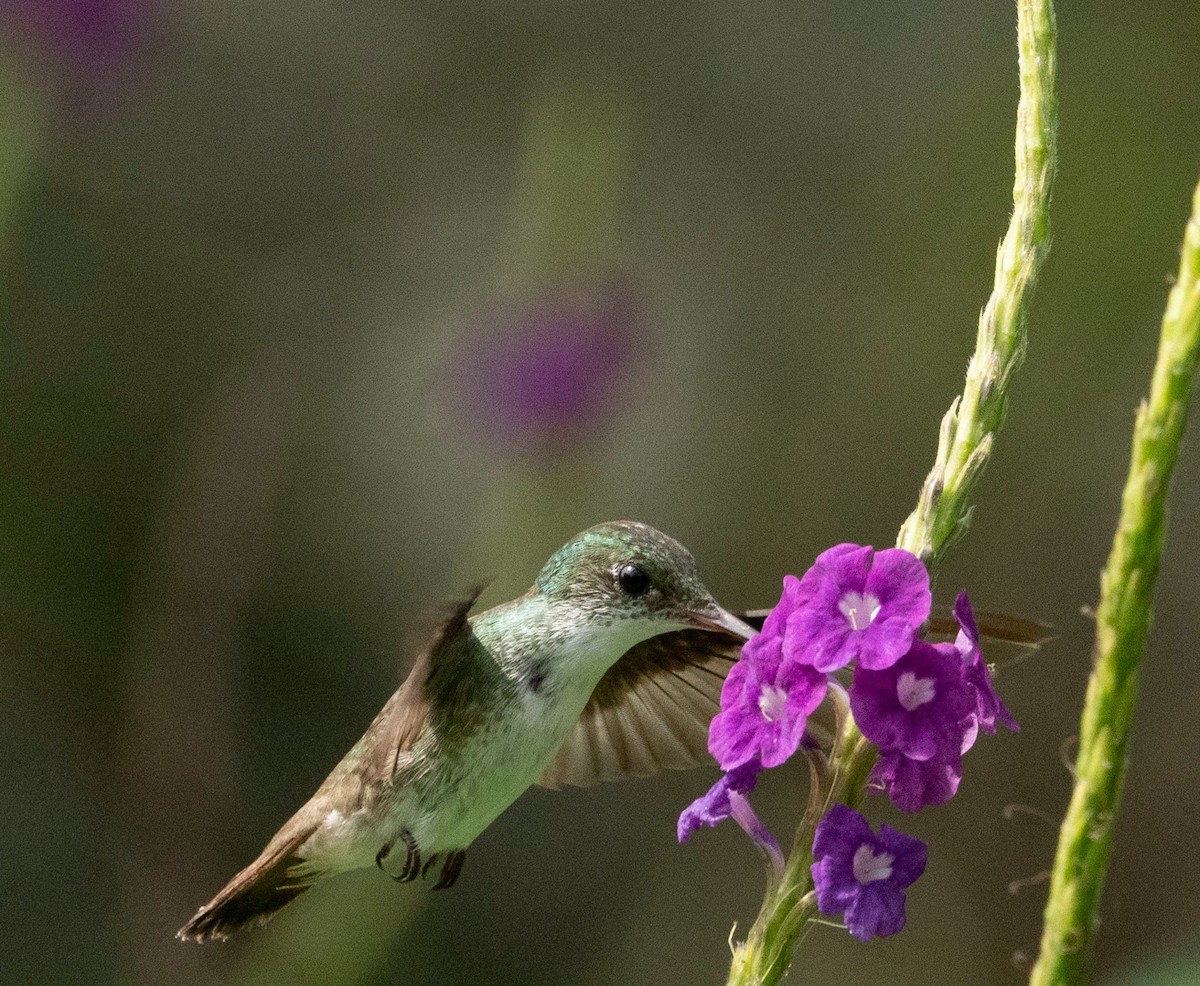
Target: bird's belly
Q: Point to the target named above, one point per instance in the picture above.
(487, 774)
(442, 811)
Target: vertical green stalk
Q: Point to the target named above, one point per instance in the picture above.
(21, 132)
(965, 440)
(1122, 622)
(571, 182)
(965, 443)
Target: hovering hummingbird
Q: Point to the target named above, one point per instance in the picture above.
(610, 666)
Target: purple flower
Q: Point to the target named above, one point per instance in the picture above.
(913, 784)
(714, 807)
(752, 825)
(775, 624)
(989, 709)
(774, 634)
(862, 873)
(921, 706)
(765, 704)
(856, 603)
(543, 374)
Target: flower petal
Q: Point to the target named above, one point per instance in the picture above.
(877, 911)
(989, 707)
(714, 806)
(752, 825)
(909, 855)
(913, 784)
(900, 582)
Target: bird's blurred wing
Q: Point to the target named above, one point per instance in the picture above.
(284, 870)
(650, 711)
(1006, 639)
(1001, 628)
(375, 758)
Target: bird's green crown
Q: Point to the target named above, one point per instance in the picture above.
(624, 565)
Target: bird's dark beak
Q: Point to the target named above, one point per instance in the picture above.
(718, 620)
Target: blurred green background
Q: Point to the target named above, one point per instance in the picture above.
(252, 254)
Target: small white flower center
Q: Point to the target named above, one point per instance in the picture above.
(914, 692)
(869, 867)
(771, 701)
(859, 608)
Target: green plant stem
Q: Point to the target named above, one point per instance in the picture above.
(1122, 623)
(943, 509)
(965, 440)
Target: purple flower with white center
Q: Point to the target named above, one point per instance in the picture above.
(857, 603)
(913, 784)
(90, 34)
(864, 874)
(921, 706)
(765, 704)
(989, 709)
(714, 806)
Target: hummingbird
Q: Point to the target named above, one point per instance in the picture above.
(609, 666)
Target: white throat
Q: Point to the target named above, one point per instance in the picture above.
(597, 646)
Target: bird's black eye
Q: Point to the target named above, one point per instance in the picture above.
(632, 579)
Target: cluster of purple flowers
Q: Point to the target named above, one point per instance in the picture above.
(923, 704)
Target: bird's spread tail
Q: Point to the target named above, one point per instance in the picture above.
(252, 897)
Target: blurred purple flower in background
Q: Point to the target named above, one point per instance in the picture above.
(547, 373)
(81, 49)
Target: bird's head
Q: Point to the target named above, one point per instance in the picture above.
(636, 579)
